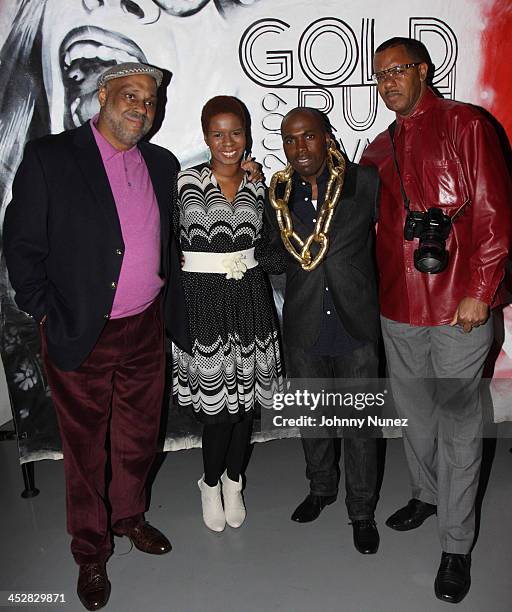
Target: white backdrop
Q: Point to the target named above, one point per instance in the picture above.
(273, 54)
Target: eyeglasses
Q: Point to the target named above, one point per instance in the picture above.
(397, 72)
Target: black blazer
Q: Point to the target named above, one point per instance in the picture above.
(348, 268)
(64, 247)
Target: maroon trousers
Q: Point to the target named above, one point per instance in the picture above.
(112, 401)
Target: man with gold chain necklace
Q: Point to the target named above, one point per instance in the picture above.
(323, 211)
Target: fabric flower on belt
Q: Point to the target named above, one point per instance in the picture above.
(234, 264)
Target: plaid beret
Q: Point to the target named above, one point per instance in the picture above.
(127, 69)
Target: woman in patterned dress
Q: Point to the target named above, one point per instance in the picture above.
(235, 361)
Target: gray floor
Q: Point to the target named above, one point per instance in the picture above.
(268, 564)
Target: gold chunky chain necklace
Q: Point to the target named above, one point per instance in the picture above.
(336, 166)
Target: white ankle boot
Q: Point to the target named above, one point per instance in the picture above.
(213, 512)
(234, 507)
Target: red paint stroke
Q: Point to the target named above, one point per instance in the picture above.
(496, 72)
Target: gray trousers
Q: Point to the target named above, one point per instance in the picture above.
(434, 375)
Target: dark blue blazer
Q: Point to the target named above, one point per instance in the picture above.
(64, 247)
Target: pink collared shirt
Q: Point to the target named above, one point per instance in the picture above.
(139, 280)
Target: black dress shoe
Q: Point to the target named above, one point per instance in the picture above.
(453, 577)
(310, 508)
(366, 536)
(411, 516)
(93, 587)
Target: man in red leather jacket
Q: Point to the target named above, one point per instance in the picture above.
(437, 325)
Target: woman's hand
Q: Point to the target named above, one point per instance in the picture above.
(253, 168)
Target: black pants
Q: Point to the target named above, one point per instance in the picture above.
(360, 454)
(225, 447)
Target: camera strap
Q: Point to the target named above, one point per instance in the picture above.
(391, 130)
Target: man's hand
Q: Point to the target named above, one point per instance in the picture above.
(470, 313)
(253, 168)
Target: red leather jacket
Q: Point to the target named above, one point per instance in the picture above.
(449, 157)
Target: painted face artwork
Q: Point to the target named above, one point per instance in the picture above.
(82, 38)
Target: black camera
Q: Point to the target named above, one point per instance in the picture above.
(432, 228)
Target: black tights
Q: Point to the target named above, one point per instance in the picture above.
(224, 447)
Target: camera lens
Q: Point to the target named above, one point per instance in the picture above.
(430, 257)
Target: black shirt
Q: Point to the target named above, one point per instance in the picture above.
(333, 339)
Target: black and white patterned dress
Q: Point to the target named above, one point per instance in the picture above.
(235, 359)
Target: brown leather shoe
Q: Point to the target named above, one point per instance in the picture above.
(148, 539)
(93, 585)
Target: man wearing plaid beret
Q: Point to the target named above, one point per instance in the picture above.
(92, 259)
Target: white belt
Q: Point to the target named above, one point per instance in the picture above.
(233, 265)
